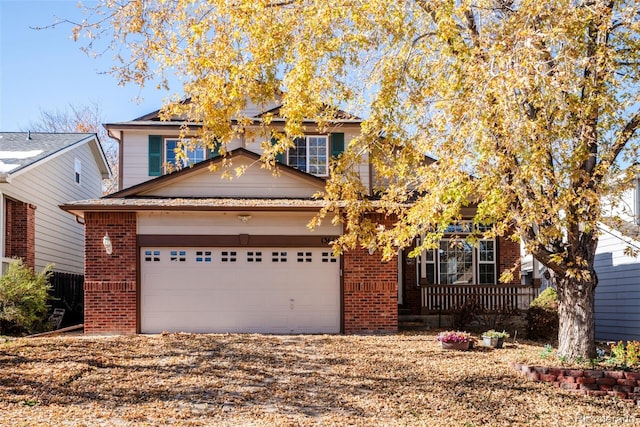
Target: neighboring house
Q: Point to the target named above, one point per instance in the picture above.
(38, 172)
(617, 301)
(189, 251)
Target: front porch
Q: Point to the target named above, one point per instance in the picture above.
(446, 299)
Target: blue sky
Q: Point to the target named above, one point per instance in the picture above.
(46, 70)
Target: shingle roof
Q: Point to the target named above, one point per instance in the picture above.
(626, 228)
(191, 204)
(21, 149)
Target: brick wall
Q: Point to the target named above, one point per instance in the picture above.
(20, 231)
(508, 256)
(370, 293)
(110, 290)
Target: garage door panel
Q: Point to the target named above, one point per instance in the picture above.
(274, 290)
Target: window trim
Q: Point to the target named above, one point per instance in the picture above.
(423, 262)
(307, 154)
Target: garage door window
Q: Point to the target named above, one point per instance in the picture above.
(305, 257)
(279, 257)
(254, 256)
(152, 256)
(178, 256)
(203, 256)
(229, 256)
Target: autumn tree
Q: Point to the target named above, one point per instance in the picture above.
(527, 105)
(85, 118)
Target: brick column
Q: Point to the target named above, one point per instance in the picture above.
(110, 284)
(508, 256)
(20, 231)
(370, 291)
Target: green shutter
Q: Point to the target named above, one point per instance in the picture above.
(155, 155)
(215, 152)
(279, 156)
(337, 144)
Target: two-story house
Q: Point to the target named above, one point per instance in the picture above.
(180, 249)
(38, 172)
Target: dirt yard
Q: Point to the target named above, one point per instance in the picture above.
(204, 380)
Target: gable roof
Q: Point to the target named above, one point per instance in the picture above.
(21, 150)
(153, 119)
(166, 180)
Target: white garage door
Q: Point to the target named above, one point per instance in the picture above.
(267, 290)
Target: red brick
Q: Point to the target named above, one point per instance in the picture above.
(632, 376)
(574, 372)
(569, 386)
(557, 372)
(596, 393)
(619, 394)
(20, 234)
(606, 381)
(589, 386)
(547, 378)
(594, 374)
(630, 383)
(563, 379)
(614, 374)
(585, 380)
(110, 280)
(370, 290)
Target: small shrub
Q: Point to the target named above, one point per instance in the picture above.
(542, 316)
(23, 298)
(625, 355)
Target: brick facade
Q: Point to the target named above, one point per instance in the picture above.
(370, 291)
(20, 231)
(509, 256)
(110, 286)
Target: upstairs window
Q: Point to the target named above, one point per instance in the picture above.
(77, 171)
(310, 155)
(195, 155)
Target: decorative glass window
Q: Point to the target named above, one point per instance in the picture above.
(455, 262)
(310, 155)
(195, 155)
(458, 262)
(77, 171)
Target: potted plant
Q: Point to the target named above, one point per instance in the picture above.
(493, 338)
(455, 340)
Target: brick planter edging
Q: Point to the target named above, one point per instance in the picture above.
(622, 384)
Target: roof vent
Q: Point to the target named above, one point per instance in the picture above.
(28, 135)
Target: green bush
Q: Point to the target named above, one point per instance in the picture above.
(542, 316)
(23, 298)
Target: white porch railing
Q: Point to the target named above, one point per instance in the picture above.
(446, 298)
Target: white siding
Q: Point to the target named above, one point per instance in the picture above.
(59, 238)
(135, 148)
(135, 152)
(227, 223)
(617, 303)
(254, 182)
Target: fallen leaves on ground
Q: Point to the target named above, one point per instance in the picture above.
(201, 380)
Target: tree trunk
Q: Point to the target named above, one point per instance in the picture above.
(576, 334)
